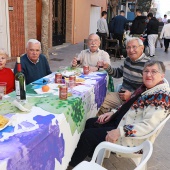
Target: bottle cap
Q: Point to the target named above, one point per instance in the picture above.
(18, 59)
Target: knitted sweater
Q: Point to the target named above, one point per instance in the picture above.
(33, 71)
(131, 72)
(145, 115)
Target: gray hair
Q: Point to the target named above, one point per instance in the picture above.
(3, 52)
(94, 34)
(34, 41)
(134, 38)
(160, 65)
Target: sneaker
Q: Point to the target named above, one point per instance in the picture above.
(166, 50)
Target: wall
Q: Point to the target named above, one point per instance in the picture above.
(16, 24)
(78, 18)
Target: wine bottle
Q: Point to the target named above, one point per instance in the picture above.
(20, 87)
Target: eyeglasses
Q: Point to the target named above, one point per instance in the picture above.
(95, 40)
(152, 72)
(133, 48)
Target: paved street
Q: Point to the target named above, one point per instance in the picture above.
(160, 160)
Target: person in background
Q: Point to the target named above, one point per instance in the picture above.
(166, 34)
(138, 25)
(164, 20)
(34, 64)
(152, 32)
(6, 74)
(161, 24)
(118, 30)
(131, 71)
(102, 29)
(92, 55)
(148, 106)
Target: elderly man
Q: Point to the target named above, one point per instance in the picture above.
(139, 116)
(131, 72)
(93, 55)
(34, 64)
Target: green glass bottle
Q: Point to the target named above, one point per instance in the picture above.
(20, 87)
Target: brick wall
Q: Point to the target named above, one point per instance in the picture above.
(16, 24)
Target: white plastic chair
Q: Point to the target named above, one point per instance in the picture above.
(135, 157)
(92, 165)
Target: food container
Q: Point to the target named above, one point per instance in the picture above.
(86, 69)
(72, 81)
(58, 78)
(63, 90)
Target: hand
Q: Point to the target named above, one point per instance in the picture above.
(74, 62)
(126, 95)
(105, 65)
(100, 64)
(93, 69)
(105, 117)
(113, 135)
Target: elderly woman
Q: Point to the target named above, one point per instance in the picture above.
(6, 75)
(140, 115)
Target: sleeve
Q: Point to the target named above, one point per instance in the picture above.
(106, 28)
(115, 72)
(162, 33)
(48, 71)
(106, 57)
(152, 117)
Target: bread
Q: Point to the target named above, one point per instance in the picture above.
(3, 121)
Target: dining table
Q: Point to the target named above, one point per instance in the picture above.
(43, 131)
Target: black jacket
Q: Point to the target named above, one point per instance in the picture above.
(138, 25)
(152, 26)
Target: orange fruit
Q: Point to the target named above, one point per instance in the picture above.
(45, 88)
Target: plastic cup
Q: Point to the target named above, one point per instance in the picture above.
(2, 89)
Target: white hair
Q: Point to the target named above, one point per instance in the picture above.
(134, 38)
(34, 41)
(3, 52)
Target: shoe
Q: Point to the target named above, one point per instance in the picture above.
(152, 55)
(161, 45)
(166, 50)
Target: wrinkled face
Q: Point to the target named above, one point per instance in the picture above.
(134, 50)
(3, 60)
(33, 51)
(93, 43)
(152, 76)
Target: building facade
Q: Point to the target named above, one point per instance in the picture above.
(68, 21)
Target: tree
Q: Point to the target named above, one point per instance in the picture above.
(144, 5)
(45, 27)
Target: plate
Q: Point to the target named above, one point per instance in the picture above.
(9, 123)
(78, 80)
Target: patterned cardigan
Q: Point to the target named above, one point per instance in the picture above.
(145, 115)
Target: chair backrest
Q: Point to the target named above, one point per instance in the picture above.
(146, 146)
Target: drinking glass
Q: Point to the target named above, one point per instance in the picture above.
(2, 89)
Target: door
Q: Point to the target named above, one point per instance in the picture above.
(4, 27)
(59, 22)
(95, 13)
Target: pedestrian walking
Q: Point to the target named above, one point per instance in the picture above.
(152, 32)
(102, 29)
(166, 34)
